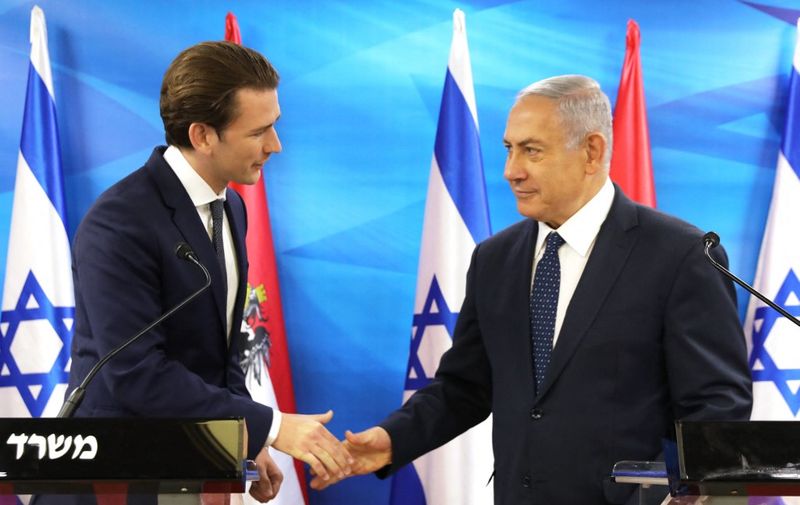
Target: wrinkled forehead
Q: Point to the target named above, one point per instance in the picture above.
(533, 114)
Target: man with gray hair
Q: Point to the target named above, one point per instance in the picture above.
(586, 329)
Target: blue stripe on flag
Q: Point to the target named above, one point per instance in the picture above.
(407, 488)
(458, 153)
(791, 142)
(39, 144)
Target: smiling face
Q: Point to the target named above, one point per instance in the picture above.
(238, 153)
(550, 180)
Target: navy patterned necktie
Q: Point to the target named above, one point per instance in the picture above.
(217, 208)
(544, 301)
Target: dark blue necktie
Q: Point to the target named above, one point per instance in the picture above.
(544, 301)
(217, 208)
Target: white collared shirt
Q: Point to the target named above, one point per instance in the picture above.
(580, 233)
(202, 195)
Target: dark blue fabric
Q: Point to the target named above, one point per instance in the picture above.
(458, 153)
(39, 144)
(217, 211)
(407, 488)
(790, 144)
(543, 306)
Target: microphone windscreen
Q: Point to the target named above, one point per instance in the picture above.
(711, 239)
(184, 251)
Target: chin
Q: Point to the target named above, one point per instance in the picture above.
(249, 180)
(529, 212)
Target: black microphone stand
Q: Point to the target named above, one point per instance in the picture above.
(71, 404)
(711, 240)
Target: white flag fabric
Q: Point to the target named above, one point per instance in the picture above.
(259, 384)
(38, 302)
(456, 219)
(773, 341)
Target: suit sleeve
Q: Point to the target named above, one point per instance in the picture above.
(706, 355)
(236, 378)
(121, 271)
(458, 398)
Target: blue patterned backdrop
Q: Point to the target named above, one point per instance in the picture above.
(360, 90)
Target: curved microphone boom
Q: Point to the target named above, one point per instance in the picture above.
(711, 240)
(182, 251)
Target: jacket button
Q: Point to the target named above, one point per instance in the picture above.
(536, 414)
(526, 481)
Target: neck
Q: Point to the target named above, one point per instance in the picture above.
(587, 193)
(200, 165)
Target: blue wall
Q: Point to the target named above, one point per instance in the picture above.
(360, 90)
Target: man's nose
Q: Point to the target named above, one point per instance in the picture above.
(514, 167)
(272, 143)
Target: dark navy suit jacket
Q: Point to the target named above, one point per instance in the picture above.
(651, 335)
(126, 274)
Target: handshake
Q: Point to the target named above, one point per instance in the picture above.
(304, 437)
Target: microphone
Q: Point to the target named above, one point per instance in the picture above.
(711, 240)
(183, 251)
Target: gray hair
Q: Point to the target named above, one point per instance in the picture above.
(582, 105)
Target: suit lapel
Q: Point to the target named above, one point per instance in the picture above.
(521, 268)
(237, 218)
(611, 250)
(188, 223)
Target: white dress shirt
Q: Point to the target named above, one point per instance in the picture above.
(202, 195)
(580, 233)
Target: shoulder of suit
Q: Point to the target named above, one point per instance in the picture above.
(127, 189)
(129, 199)
(660, 222)
(661, 232)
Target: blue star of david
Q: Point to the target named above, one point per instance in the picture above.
(442, 317)
(770, 371)
(43, 309)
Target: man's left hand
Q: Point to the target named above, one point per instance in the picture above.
(269, 480)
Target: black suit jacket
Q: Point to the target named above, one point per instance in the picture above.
(651, 335)
(126, 274)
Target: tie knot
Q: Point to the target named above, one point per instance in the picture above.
(554, 241)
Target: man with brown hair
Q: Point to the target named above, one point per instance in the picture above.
(219, 105)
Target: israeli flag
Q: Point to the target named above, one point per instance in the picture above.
(38, 302)
(773, 341)
(456, 219)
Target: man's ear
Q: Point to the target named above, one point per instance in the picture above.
(595, 151)
(202, 137)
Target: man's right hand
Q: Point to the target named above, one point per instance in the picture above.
(371, 450)
(305, 437)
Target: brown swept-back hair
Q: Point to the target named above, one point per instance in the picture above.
(200, 86)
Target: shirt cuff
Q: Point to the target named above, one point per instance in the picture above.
(277, 417)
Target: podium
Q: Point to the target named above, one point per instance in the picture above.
(133, 455)
(724, 463)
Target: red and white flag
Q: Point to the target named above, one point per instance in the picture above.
(265, 357)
